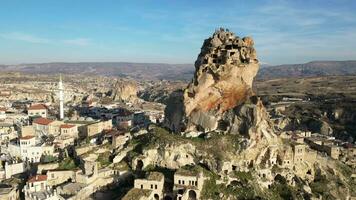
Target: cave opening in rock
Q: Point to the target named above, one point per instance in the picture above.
(156, 196)
(192, 195)
(167, 198)
(223, 125)
(139, 165)
(205, 166)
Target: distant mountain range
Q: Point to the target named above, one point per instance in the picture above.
(310, 69)
(122, 69)
(179, 71)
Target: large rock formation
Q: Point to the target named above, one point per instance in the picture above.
(125, 90)
(220, 96)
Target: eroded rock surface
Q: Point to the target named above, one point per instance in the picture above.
(220, 96)
(125, 91)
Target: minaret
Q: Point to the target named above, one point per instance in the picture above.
(61, 98)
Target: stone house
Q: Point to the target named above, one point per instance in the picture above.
(323, 145)
(54, 127)
(48, 194)
(94, 128)
(56, 177)
(2, 114)
(9, 192)
(28, 130)
(119, 139)
(14, 168)
(7, 132)
(188, 184)
(123, 118)
(305, 134)
(265, 174)
(36, 183)
(69, 130)
(42, 125)
(63, 141)
(47, 126)
(298, 152)
(27, 148)
(37, 110)
(285, 158)
(140, 194)
(333, 151)
(154, 182)
(6, 128)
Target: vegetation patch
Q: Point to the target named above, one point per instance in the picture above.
(104, 159)
(67, 164)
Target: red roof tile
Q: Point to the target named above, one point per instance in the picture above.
(27, 137)
(37, 107)
(67, 126)
(2, 109)
(37, 178)
(42, 121)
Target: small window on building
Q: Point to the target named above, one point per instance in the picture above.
(178, 181)
(156, 187)
(141, 186)
(151, 186)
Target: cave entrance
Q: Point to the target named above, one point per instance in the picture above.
(168, 198)
(223, 125)
(156, 196)
(192, 195)
(139, 165)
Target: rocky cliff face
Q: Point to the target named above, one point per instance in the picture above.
(125, 91)
(220, 102)
(220, 96)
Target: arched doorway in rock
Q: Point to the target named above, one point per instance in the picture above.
(139, 165)
(192, 195)
(156, 196)
(168, 198)
(234, 183)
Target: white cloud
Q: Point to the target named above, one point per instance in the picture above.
(24, 37)
(78, 41)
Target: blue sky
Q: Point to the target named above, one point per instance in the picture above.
(172, 31)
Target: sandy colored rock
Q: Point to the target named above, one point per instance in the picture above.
(220, 96)
(125, 91)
